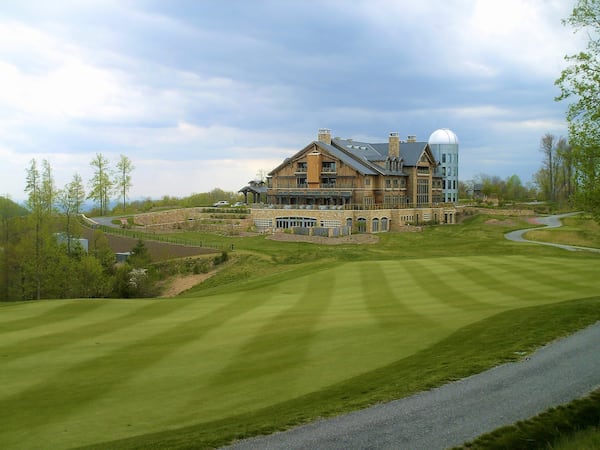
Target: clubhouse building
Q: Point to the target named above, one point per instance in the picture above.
(337, 185)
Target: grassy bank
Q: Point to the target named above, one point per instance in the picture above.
(578, 231)
(570, 427)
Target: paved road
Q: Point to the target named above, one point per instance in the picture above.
(548, 222)
(458, 412)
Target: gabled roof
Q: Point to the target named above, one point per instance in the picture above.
(364, 167)
(410, 152)
(363, 156)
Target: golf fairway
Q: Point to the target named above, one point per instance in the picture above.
(78, 372)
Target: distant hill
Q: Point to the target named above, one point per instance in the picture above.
(9, 209)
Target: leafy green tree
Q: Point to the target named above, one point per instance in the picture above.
(580, 82)
(123, 177)
(10, 226)
(555, 178)
(101, 184)
(40, 189)
(100, 249)
(69, 202)
(140, 257)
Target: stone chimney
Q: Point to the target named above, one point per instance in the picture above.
(324, 136)
(394, 145)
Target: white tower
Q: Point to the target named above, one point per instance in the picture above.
(444, 145)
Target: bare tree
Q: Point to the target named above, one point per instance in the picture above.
(547, 146)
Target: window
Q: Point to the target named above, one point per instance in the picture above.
(384, 224)
(301, 182)
(328, 182)
(301, 167)
(361, 224)
(367, 181)
(422, 191)
(289, 222)
(375, 225)
(328, 167)
(388, 183)
(395, 182)
(443, 157)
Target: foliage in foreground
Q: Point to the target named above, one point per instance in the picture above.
(579, 82)
(470, 350)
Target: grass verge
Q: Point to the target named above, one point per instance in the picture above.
(492, 341)
(571, 426)
(578, 231)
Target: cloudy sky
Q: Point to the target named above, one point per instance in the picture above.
(204, 94)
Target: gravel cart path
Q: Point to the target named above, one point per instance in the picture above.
(548, 222)
(458, 412)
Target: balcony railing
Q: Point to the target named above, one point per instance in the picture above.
(294, 185)
(355, 206)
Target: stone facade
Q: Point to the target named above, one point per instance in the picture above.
(362, 220)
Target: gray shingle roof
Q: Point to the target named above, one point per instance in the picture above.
(410, 152)
(363, 156)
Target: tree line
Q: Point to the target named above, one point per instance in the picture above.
(580, 83)
(40, 255)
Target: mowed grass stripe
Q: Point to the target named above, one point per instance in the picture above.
(444, 291)
(93, 378)
(487, 273)
(83, 328)
(282, 344)
(527, 277)
(59, 311)
(538, 273)
(570, 274)
(382, 301)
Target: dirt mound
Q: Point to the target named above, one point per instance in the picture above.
(181, 283)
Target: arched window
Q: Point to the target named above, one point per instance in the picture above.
(375, 225)
(361, 225)
(384, 224)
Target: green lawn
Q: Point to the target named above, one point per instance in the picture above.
(299, 336)
(578, 230)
